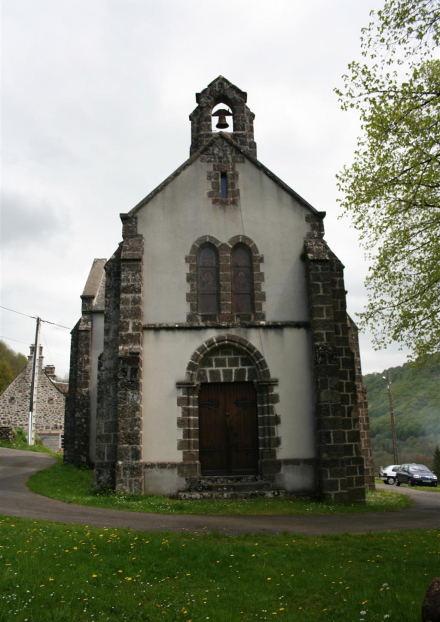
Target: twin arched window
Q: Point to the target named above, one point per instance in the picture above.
(242, 293)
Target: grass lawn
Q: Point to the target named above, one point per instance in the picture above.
(71, 485)
(51, 572)
(20, 442)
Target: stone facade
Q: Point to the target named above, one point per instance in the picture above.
(79, 405)
(277, 321)
(49, 402)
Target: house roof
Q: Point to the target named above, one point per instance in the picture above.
(198, 153)
(95, 285)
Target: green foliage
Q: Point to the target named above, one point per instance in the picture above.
(11, 364)
(392, 189)
(6, 375)
(436, 461)
(416, 397)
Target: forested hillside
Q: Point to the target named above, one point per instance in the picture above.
(416, 397)
(11, 364)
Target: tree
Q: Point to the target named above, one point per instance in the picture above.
(436, 461)
(11, 364)
(6, 375)
(392, 189)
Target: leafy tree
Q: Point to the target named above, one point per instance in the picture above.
(436, 461)
(11, 364)
(6, 375)
(392, 189)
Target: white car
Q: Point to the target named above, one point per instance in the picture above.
(388, 474)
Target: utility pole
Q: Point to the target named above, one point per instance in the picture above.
(32, 396)
(393, 427)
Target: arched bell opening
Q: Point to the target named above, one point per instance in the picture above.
(222, 118)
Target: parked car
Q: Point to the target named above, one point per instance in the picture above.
(415, 474)
(388, 474)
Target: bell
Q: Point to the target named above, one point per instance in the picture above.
(222, 114)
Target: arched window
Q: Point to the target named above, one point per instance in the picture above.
(208, 281)
(242, 280)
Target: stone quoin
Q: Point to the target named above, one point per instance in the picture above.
(215, 344)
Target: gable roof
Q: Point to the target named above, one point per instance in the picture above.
(249, 157)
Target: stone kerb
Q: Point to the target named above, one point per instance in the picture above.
(227, 358)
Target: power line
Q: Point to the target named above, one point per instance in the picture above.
(19, 312)
(33, 317)
(10, 339)
(26, 344)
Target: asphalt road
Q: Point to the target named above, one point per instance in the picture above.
(17, 500)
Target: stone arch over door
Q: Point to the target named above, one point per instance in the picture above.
(227, 358)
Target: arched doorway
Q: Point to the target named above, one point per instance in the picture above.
(228, 410)
(228, 428)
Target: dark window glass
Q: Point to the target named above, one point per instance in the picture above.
(208, 280)
(223, 186)
(242, 280)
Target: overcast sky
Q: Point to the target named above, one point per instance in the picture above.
(95, 102)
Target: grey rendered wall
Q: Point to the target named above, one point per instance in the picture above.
(182, 212)
(287, 353)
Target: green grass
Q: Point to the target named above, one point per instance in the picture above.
(71, 485)
(20, 442)
(68, 573)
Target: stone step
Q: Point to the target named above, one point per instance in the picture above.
(230, 486)
(196, 495)
(227, 487)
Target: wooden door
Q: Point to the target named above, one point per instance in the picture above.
(228, 431)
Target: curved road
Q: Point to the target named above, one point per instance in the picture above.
(16, 500)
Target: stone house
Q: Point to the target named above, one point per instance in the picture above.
(49, 402)
(214, 346)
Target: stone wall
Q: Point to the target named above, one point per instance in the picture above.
(364, 421)
(78, 409)
(340, 465)
(107, 407)
(354, 462)
(222, 91)
(129, 471)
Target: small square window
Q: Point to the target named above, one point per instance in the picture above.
(12, 400)
(50, 400)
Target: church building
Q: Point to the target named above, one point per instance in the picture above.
(214, 349)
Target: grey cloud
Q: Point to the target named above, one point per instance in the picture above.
(27, 220)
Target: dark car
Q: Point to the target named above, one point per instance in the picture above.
(415, 474)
